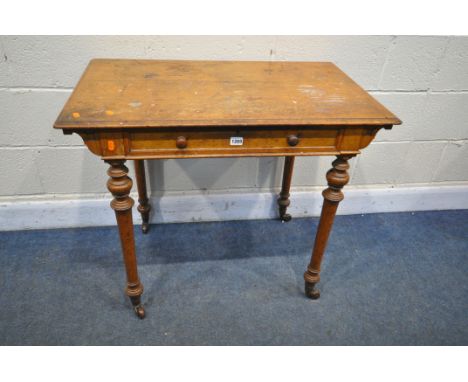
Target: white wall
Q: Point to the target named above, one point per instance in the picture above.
(423, 80)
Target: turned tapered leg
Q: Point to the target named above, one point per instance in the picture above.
(143, 204)
(283, 200)
(119, 184)
(337, 177)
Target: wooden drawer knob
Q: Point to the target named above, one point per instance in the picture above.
(293, 140)
(181, 142)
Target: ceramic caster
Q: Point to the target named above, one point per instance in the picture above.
(311, 292)
(139, 311)
(285, 218)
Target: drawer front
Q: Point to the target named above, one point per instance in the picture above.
(190, 143)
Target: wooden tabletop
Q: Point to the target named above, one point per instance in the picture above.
(153, 93)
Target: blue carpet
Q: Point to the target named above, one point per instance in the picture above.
(387, 279)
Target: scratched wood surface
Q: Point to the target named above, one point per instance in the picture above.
(152, 93)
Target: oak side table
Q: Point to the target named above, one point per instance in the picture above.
(148, 109)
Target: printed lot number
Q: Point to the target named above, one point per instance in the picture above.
(237, 141)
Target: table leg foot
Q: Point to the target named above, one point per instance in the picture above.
(311, 291)
(138, 307)
(144, 227)
(285, 218)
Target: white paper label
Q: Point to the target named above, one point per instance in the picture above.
(237, 141)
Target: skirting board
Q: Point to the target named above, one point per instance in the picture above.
(227, 206)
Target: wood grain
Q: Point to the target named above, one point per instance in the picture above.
(337, 178)
(150, 93)
(120, 185)
(206, 142)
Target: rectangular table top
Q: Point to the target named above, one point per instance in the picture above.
(116, 93)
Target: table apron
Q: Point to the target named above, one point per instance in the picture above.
(163, 143)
